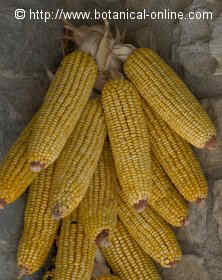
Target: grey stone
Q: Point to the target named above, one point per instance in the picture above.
(137, 5)
(166, 25)
(211, 161)
(190, 268)
(11, 219)
(204, 86)
(21, 49)
(215, 44)
(206, 245)
(215, 6)
(158, 5)
(145, 38)
(197, 60)
(198, 4)
(180, 5)
(27, 49)
(217, 210)
(194, 29)
(196, 232)
(192, 55)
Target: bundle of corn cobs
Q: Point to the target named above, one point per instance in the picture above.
(108, 154)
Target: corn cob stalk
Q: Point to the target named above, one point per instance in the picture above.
(76, 252)
(98, 210)
(151, 232)
(98, 41)
(15, 175)
(61, 109)
(176, 157)
(127, 259)
(164, 198)
(78, 160)
(129, 140)
(169, 97)
(108, 277)
(39, 227)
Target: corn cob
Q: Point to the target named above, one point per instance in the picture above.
(98, 210)
(151, 232)
(169, 97)
(15, 175)
(77, 163)
(164, 198)
(39, 227)
(176, 157)
(127, 259)
(76, 252)
(129, 139)
(61, 109)
(108, 277)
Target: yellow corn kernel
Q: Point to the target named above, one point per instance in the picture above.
(77, 163)
(39, 228)
(108, 277)
(98, 209)
(127, 259)
(76, 253)
(164, 198)
(61, 109)
(169, 97)
(176, 157)
(151, 232)
(129, 138)
(15, 174)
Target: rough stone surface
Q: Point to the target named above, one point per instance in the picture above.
(29, 48)
(215, 44)
(212, 160)
(201, 239)
(191, 267)
(196, 231)
(217, 209)
(191, 51)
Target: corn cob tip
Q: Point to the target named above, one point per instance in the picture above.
(36, 166)
(56, 213)
(22, 272)
(200, 202)
(211, 144)
(173, 264)
(140, 206)
(2, 203)
(169, 264)
(102, 239)
(185, 222)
